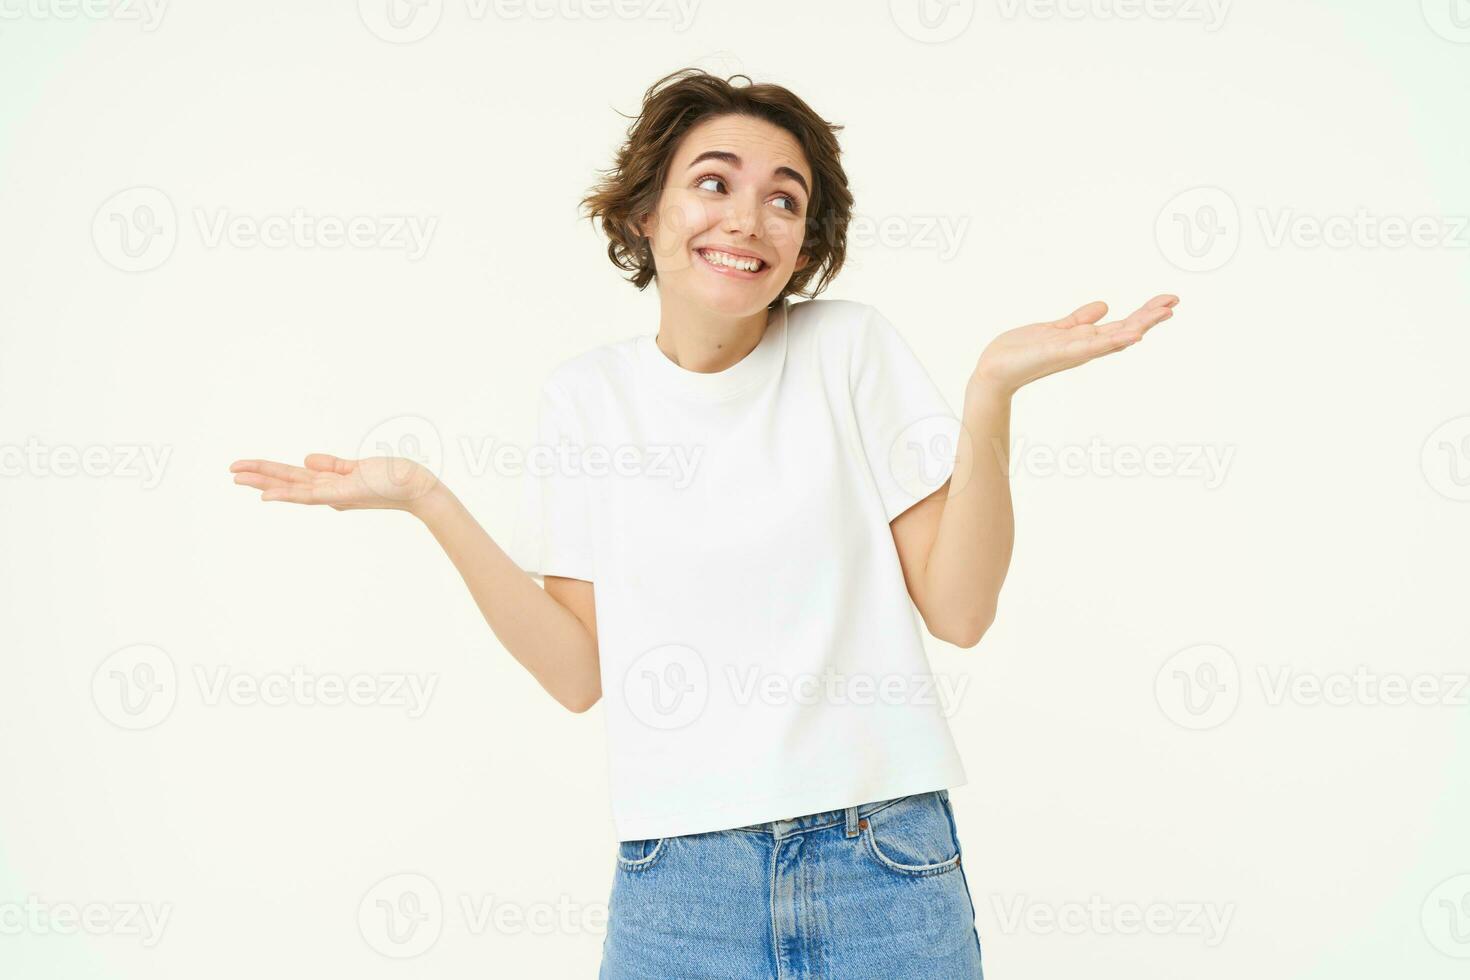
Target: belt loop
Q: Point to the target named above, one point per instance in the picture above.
(852, 821)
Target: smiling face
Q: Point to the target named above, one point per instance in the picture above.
(731, 219)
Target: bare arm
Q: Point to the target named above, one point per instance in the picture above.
(955, 545)
(552, 632)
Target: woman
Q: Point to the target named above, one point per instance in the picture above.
(759, 497)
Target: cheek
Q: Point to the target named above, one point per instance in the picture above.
(786, 235)
(682, 216)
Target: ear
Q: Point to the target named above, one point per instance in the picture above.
(802, 260)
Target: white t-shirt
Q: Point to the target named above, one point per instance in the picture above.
(761, 658)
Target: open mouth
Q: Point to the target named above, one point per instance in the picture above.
(740, 266)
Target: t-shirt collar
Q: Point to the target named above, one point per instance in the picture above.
(744, 374)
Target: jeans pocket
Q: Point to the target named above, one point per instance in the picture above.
(640, 855)
(913, 837)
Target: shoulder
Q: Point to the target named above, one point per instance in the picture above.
(584, 381)
(848, 330)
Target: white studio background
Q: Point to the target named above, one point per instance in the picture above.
(1220, 727)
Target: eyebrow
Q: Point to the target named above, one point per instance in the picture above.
(734, 161)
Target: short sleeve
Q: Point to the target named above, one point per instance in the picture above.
(908, 431)
(553, 534)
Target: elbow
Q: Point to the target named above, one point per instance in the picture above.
(967, 632)
(580, 703)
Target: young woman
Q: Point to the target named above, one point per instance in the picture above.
(762, 494)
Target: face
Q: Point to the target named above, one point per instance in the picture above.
(737, 195)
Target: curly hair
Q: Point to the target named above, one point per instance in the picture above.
(671, 107)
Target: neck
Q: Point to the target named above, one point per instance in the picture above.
(698, 340)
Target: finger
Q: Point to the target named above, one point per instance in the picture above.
(258, 481)
(1136, 325)
(280, 471)
(327, 463)
(295, 493)
(1088, 313)
(1163, 299)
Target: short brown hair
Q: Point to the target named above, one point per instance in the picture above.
(671, 107)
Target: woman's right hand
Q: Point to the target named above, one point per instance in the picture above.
(379, 482)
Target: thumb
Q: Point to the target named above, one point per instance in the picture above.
(327, 463)
(1089, 313)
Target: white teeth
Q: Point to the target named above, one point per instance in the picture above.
(723, 258)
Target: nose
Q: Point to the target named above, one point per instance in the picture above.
(742, 214)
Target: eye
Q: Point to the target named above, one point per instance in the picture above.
(793, 205)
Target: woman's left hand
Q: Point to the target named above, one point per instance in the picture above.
(1020, 356)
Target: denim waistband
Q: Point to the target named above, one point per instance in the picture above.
(850, 816)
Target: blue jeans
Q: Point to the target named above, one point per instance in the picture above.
(872, 891)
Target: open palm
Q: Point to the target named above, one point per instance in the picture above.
(379, 482)
(1020, 356)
